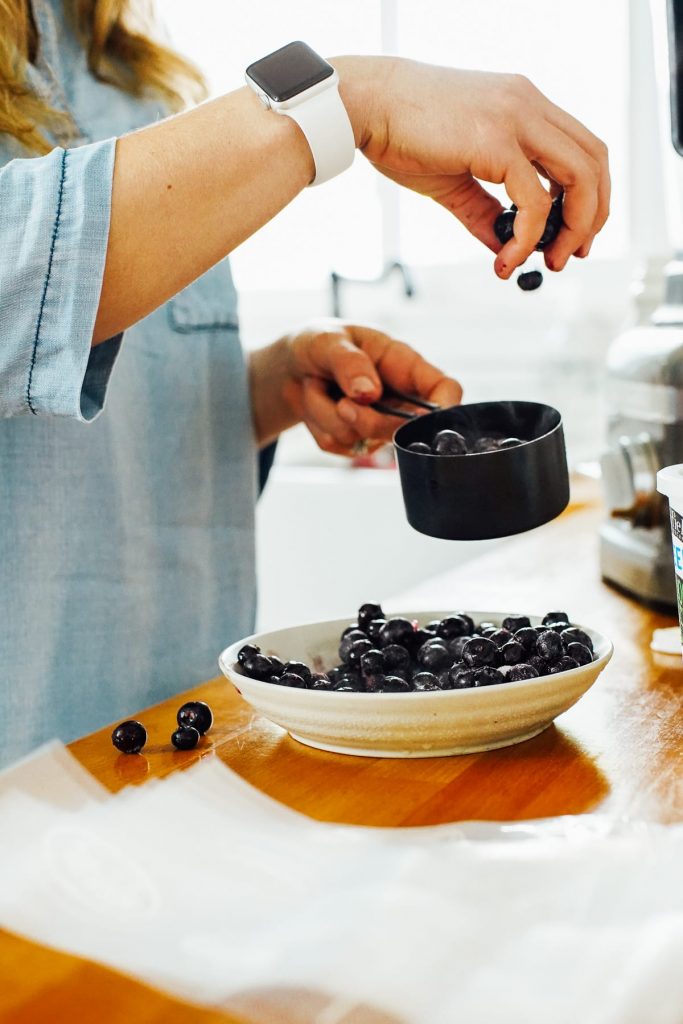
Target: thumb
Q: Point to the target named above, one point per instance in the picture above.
(353, 370)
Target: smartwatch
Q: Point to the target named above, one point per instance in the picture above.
(297, 82)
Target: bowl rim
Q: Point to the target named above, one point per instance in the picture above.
(469, 405)
(229, 667)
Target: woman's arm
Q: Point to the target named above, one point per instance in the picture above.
(188, 190)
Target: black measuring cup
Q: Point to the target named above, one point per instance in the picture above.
(483, 495)
(490, 494)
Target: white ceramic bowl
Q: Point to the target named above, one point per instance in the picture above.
(431, 724)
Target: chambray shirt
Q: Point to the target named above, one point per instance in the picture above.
(127, 471)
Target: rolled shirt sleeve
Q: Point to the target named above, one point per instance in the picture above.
(54, 226)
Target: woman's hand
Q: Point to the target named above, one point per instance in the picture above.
(290, 382)
(437, 130)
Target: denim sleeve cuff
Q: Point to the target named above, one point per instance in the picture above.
(66, 375)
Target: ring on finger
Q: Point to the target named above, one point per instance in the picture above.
(360, 447)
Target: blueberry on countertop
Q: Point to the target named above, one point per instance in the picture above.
(185, 738)
(530, 280)
(129, 737)
(196, 714)
(420, 448)
(449, 442)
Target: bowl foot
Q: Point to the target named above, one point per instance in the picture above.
(437, 752)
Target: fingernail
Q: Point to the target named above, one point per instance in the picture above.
(362, 387)
(348, 413)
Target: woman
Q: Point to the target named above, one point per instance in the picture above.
(127, 539)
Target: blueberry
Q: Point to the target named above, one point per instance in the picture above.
(456, 647)
(292, 679)
(348, 641)
(356, 652)
(299, 669)
(549, 645)
(374, 628)
(335, 673)
(352, 627)
(372, 662)
(565, 664)
(530, 280)
(419, 637)
(247, 652)
(489, 632)
(319, 681)
(434, 655)
(420, 448)
(394, 684)
(485, 444)
(396, 631)
(468, 620)
(276, 665)
(509, 442)
(515, 622)
(425, 681)
(555, 617)
(195, 714)
(501, 636)
(522, 671)
(512, 653)
(368, 612)
(433, 626)
(557, 627)
(487, 676)
(258, 666)
(186, 738)
(527, 637)
(574, 635)
(454, 626)
(449, 442)
(461, 678)
(539, 664)
(485, 625)
(129, 737)
(479, 652)
(348, 682)
(552, 224)
(396, 660)
(579, 653)
(503, 226)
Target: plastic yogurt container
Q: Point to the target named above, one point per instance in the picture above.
(670, 483)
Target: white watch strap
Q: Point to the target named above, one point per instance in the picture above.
(327, 127)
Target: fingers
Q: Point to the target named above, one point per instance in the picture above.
(533, 205)
(321, 412)
(349, 365)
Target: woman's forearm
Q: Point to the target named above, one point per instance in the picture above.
(186, 192)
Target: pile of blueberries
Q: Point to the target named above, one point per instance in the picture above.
(194, 719)
(504, 227)
(450, 442)
(394, 655)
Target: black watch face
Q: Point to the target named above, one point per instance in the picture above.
(288, 71)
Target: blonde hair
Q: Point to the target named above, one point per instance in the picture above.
(116, 37)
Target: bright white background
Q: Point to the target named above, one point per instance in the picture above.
(335, 530)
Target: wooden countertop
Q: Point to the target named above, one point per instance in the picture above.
(618, 751)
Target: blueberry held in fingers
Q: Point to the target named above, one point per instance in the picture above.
(504, 226)
(129, 737)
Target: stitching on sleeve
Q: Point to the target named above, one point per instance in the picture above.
(53, 242)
